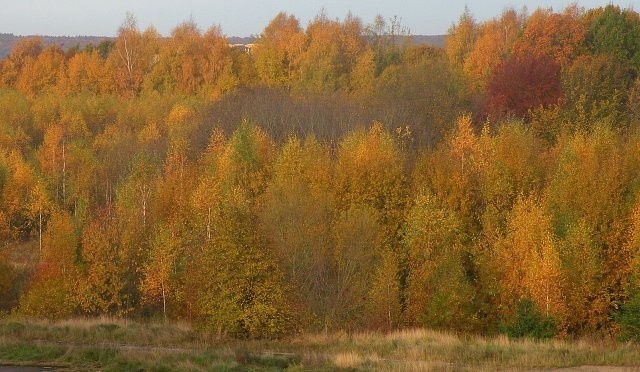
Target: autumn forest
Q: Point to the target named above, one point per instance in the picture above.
(333, 176)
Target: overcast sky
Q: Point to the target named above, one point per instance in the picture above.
(244, 17)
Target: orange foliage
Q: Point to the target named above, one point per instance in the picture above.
(154, 191)
(494, 43)
(277, 48)
(555, 35)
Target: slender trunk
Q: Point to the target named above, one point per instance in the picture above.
(144, 209)
(547, 293)
(209, 224)
(389, 303)
(64, 175)
(164, 303)
(129, 66)
(181, 176)
(40, 231)
(107, 195)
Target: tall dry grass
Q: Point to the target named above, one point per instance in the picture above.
(423, 349)
(106, 343)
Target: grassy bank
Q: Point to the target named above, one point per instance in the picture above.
(123, 345)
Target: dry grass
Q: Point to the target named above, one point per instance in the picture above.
(347, 360)
(421, 349)
(115, 344)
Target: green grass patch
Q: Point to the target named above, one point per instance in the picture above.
(94, 355)
(21, 352)
(11, 328)
(278, 360)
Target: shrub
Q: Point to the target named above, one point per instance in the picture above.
(528, 322)
(629, 319)
(7, 285)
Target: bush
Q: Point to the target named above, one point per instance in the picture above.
(47, 298)
(7, 285)
(528, 322)
(629, 319)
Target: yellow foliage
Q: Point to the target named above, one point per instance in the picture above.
(528, 261)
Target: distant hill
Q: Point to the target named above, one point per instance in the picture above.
(241, 40)
(7, 41)
(433, 40)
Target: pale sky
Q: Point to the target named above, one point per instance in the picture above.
(244, 17)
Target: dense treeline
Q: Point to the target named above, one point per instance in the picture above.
(335, 177)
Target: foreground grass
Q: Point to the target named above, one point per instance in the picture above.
(124, 345)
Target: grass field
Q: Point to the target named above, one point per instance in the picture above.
(117, 345)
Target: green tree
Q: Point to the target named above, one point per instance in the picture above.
(439, 293)
(528, 322)
(615, 32)
(595, 92)
(241, 288)
(105, 266)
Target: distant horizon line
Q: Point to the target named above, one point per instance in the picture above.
(114, 37)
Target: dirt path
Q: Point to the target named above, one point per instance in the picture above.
(597, 369)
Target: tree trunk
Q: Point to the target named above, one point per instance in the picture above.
(209, 224)
(164, 303)
(40, 231)
(389, 304)
(64, 176)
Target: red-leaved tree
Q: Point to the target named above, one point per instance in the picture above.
(520, 84)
